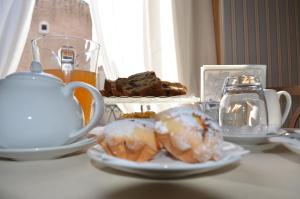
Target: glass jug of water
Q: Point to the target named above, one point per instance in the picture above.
(243, 108)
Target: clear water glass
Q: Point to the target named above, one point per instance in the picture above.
(243, 108)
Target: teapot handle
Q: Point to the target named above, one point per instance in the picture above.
(99, 108)
(287, 106)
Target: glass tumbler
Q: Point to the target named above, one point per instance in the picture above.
(71, 59)
(243, 108)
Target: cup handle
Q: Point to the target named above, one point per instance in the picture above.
(99, 107)
(287, 106)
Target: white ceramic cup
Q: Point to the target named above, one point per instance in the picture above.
(275, 118)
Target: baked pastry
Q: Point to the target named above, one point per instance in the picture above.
(110, 89)
(189, 135)
(172, 89)
(147, 115)
(142, 84)
(131, 139)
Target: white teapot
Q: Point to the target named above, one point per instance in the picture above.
(247, 108)
(39, 110)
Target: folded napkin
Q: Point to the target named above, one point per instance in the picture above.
(285, 139)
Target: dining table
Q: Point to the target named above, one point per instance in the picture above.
(269, 173)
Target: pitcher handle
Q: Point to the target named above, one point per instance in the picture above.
(99, 108)
(287, 105)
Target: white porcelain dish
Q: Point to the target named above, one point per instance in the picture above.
(163, 166)
(151, 100)
(251, 139)
(47, 152)
(293, 147)
(259, 148)
(290, 143)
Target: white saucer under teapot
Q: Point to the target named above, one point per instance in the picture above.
(39, 110)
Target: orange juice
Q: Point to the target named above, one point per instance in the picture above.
(84, 97)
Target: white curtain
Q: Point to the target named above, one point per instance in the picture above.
(172, 37)
(118, 26)
(15, 19)
(194, 40)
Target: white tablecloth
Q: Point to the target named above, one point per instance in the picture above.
(272, 174)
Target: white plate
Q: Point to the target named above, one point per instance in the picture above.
(163, 166)
(259, 148)
(251, 139)
(47, 152)
(291, 144)
(292, 147)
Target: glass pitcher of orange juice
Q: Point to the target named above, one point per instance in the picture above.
(71, 59)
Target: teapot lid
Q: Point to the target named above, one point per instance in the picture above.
(36, 73)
